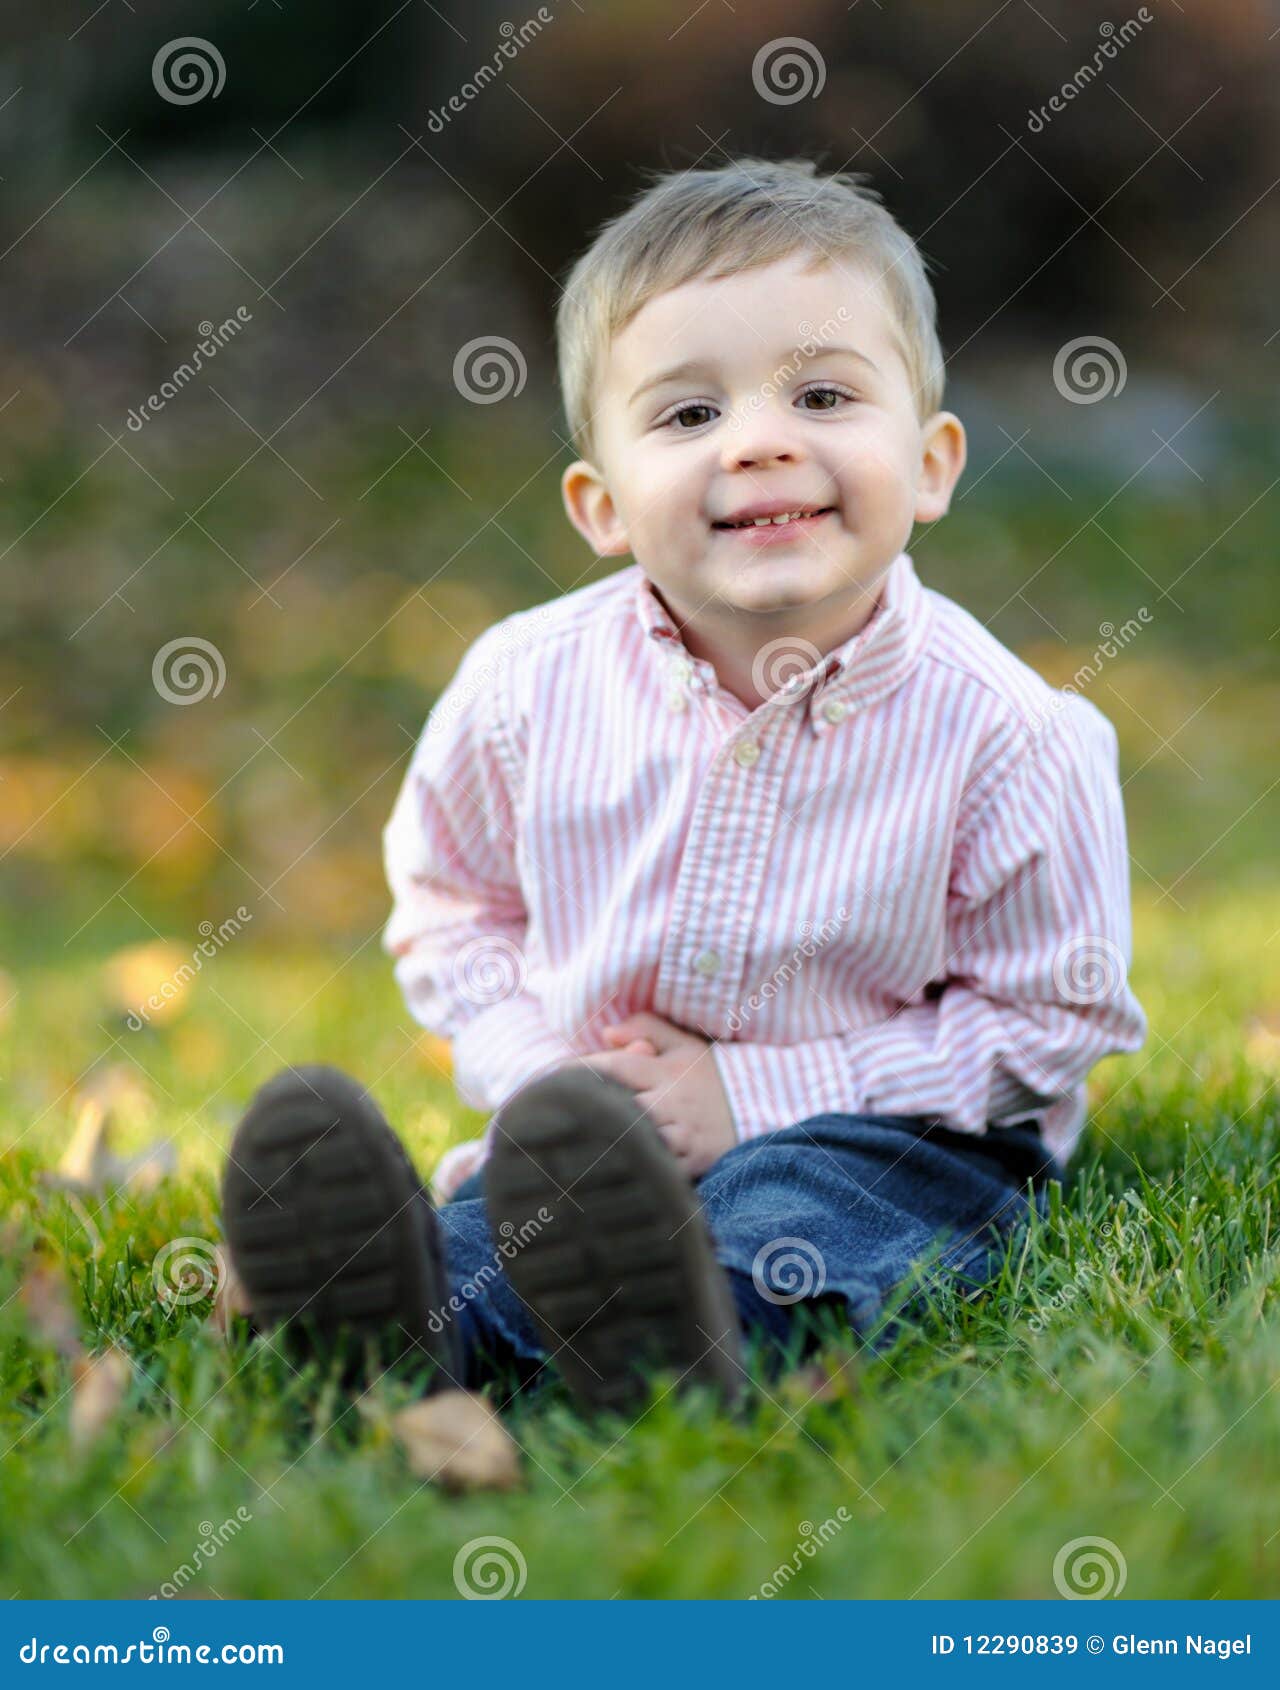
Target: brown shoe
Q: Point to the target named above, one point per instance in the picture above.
(606, 1244)
(332, 1234)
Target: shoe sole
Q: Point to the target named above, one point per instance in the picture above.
(623, 1277)
(323, 1213)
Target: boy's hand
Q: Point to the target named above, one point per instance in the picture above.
(675, 1075)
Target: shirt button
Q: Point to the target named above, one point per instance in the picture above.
(746, 752)
(676, 702)
(834, 710)
(707, 962)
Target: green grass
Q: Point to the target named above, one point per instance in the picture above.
(1117, 1381)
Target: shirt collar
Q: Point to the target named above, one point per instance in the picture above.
(866, 668)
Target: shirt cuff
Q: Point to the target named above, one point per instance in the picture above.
(771, 1086)
(457, 1164)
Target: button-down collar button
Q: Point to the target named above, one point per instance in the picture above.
(835, 710)
(707, 962)
(746, 753)
(676, 702)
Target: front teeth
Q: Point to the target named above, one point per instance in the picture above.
(764, 521)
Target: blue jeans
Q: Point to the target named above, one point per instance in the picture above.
(834, 1212)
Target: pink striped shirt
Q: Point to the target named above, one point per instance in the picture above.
(898, 886)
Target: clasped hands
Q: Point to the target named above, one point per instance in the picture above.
(674, 1074)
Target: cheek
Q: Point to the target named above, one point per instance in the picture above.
(663, 493)
(879, 472)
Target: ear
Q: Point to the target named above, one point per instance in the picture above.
(591, 510)
(941, 464)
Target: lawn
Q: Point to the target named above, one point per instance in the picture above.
(1116, 1382)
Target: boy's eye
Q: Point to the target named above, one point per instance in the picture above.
(692, 415)
(827, 397)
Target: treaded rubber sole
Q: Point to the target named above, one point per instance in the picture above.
(622, 1278)
(329, 1226)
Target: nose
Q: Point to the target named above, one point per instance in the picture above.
(758, 437)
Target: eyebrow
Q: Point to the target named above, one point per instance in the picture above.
(693, 366)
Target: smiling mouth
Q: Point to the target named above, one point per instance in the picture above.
(781, 521)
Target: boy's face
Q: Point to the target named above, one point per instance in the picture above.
(782, 387)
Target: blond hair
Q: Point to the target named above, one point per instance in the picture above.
(747, 213)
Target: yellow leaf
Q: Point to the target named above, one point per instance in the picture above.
(89, 1166)
(458, 1440)
(149, 981)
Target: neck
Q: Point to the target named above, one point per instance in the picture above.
(733, 641)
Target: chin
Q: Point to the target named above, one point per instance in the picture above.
(770, 588)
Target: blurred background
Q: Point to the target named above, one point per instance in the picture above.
(229, 597)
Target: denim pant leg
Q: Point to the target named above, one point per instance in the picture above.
(834, 1211)
(840, 1209)
(493, 1324)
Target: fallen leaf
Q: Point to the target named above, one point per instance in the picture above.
(148, 981)
(231, 1300)
(89, 1166)
(100, 1383)
(456, 1438)
(45, 1297)
(83, 1157)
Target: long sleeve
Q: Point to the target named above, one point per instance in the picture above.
(1038, 942)
(458, 919)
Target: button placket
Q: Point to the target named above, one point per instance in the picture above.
(702, 968)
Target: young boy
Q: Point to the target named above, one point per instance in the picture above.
(775, 909)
